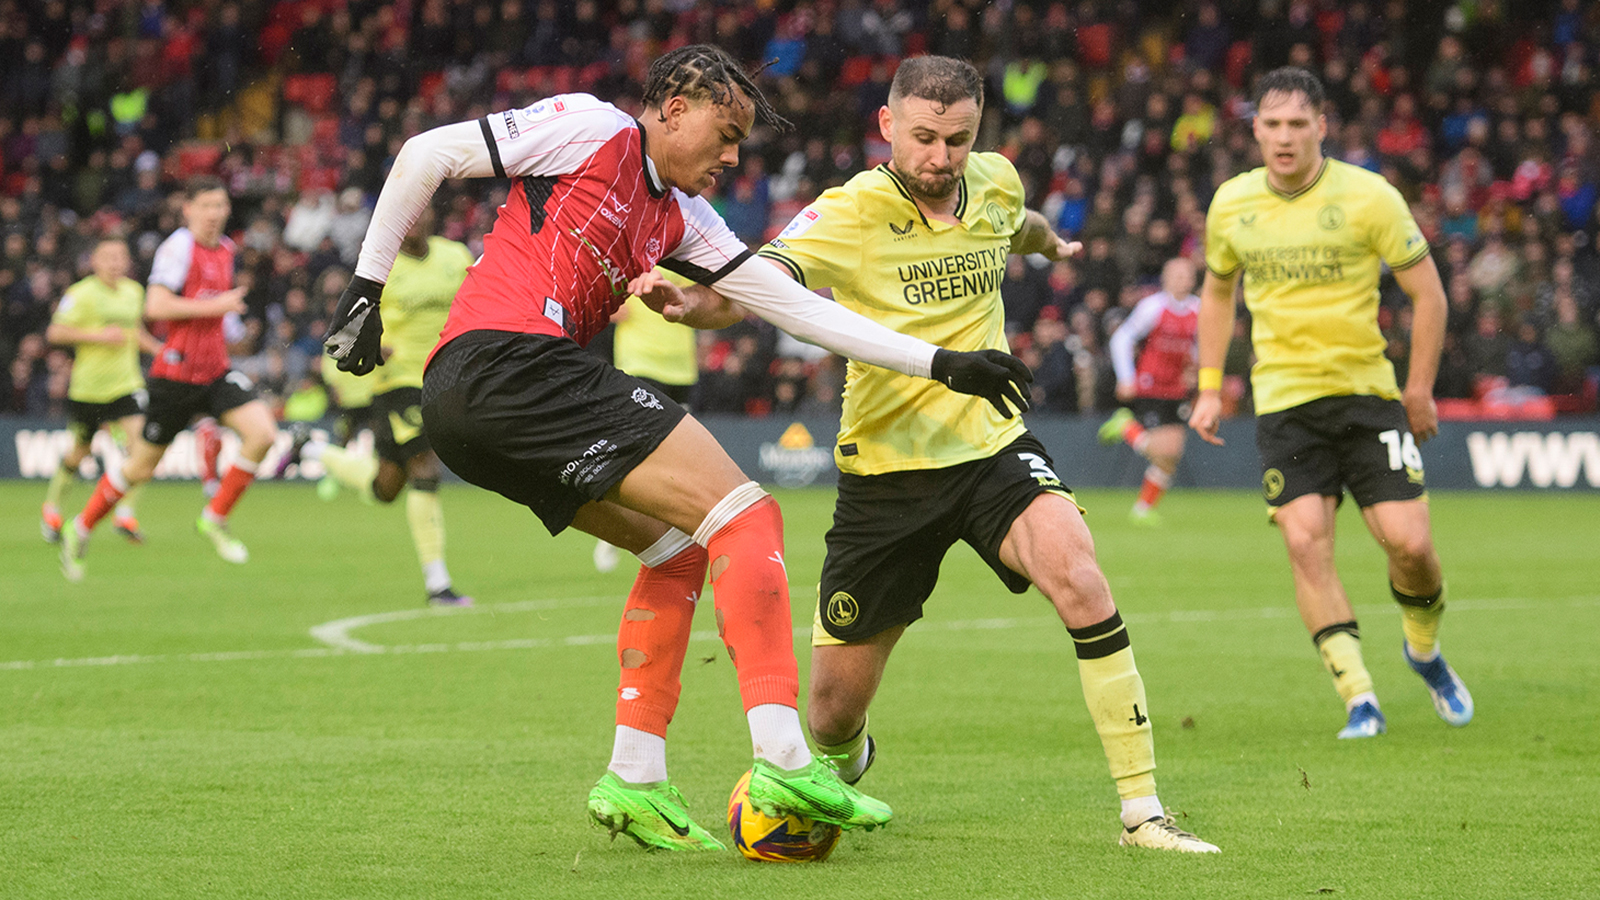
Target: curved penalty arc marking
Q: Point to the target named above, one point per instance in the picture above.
(336, 634)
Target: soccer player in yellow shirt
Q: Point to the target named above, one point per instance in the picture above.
(102, 318)
(1309, 235)
(920, 245)
(417, 301)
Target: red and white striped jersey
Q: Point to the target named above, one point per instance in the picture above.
(1169, 327)
(586, 215)
(195, 351)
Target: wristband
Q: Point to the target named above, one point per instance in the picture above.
(1210, 379)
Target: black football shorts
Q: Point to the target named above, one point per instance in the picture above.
(891, 532)
(539, 420)
(1324, 446)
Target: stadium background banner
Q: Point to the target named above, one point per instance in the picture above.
(1558, 455)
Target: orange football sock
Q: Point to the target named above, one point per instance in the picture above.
(239, 476)
(1155, 485)
(654, 637)
(751, 588)
(106, 494)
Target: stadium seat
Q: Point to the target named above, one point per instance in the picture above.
(312, 91)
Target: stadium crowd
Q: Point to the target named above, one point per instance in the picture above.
(1122, 118)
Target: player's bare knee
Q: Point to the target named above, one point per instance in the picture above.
(1412, 553)
(1077, 590)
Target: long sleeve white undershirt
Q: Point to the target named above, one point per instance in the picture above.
(459, 151)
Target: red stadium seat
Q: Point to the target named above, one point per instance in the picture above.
(313, 91)
(856, 70)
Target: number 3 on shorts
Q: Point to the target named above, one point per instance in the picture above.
(1402, 450)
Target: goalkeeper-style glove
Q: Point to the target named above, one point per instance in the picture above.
(355, 335)
(991, 374)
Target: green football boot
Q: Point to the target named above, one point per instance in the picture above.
(1111, 431)
(654, 814)
(227, 546)
(816, 792)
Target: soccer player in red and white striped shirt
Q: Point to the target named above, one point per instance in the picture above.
(512, 403)
(191, 289)
(1159, 385)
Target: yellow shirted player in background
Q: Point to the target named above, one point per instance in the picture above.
(416, 303)
(102, 318)
(1309, 235)
(920, 245)
(658, 352)
(353, 394)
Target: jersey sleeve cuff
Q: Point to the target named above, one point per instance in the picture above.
(700, 274)
(1401, 267)
(788, 264)
(494, 151)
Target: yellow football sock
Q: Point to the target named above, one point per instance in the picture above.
(1114, 693)
(351, 470)
(854, 751)
(427, 525)
(1340, 647)
(59, 479)
(1419, 620)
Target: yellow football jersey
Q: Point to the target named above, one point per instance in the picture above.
(932, 280)
(1311, 263)
(416, 302)
(649, 346)
(100, 372)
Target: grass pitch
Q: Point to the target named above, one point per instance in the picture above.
(171, 728)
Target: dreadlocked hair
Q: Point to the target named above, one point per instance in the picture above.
(704, 72)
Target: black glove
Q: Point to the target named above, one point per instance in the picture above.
(991, 374)
(356, 332)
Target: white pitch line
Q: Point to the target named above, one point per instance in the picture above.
(336, 634)
(338, 630)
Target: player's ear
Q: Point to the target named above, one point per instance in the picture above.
(672, 110)
(886, 123)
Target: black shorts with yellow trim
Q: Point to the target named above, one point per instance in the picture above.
(539, 420)
(84, 419)
(891, 532)
(397, 424)
(1325, 446)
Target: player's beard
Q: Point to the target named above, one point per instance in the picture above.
(943, 185)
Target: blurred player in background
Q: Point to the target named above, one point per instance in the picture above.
(922, 467)
(513, 403)
(663, 355)
(423, 282)
(191, 288)
(102, 319)
(1159, 386)
(1309, 235)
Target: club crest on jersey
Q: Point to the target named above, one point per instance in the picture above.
(652, 252)
(646, 399)
(800, 224)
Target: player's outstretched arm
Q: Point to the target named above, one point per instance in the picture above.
(1036, 236)
(161, 304)
(695, 305)
(1429, 310)
(761, 288)
(1216, 329)
(355, 334)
